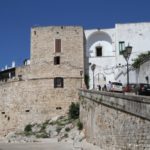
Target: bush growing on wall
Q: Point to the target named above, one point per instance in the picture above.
(80, 125)
(143, 57)
(74, 110)
(28, 128)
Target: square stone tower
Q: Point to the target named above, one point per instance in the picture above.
(57, 59)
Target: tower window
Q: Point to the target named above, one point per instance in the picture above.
(57, 45)
(98, 51)
(57, 60)
(58, 82)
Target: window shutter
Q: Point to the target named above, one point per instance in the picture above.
(57, 45)
(121, 47)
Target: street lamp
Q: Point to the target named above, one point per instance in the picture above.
(126, 54)
(93, 69)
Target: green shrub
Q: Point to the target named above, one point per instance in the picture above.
(42, 135)
(28, 128)
(67, 129)
(143, 57)
(80, 125)
(58, 129)
(74, 110)
(28, 133)
(43, 127)
(65, 135)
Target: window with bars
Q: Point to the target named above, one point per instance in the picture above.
(57, 45)
(58, 82)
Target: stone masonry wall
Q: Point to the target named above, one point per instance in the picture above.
(43, 51)
(33, 98)
(113, 127)
(25, 102)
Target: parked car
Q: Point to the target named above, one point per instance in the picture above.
(142, 89)
(129, 88)
(116, 87)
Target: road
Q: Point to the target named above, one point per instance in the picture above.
(48, 144)
(37, 146)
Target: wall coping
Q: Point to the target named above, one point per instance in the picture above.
(136, 98)
(135, 105)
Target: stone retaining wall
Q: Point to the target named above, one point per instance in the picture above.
(116, 121)
(31, 101)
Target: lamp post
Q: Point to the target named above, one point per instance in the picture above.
(126, 55)
(93, 69)
(81, 73)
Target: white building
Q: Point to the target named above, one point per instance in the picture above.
(103, 47)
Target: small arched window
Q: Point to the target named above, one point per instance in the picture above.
(98, 51)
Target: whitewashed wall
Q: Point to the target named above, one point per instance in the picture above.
(105, 39)
(136, 35)
(144, 72)
(112, 65)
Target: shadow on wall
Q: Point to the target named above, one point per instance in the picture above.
(97, 36)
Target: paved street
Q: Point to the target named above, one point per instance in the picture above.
(48, 145)
(37, 146)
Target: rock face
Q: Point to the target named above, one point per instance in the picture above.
(62, 129)
(49, 84)
(56, 130)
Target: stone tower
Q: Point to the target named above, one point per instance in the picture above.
(57, 58)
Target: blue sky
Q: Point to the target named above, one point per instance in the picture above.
(18, 16)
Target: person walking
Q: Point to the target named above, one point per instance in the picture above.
(109, 86)
(99, 87)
